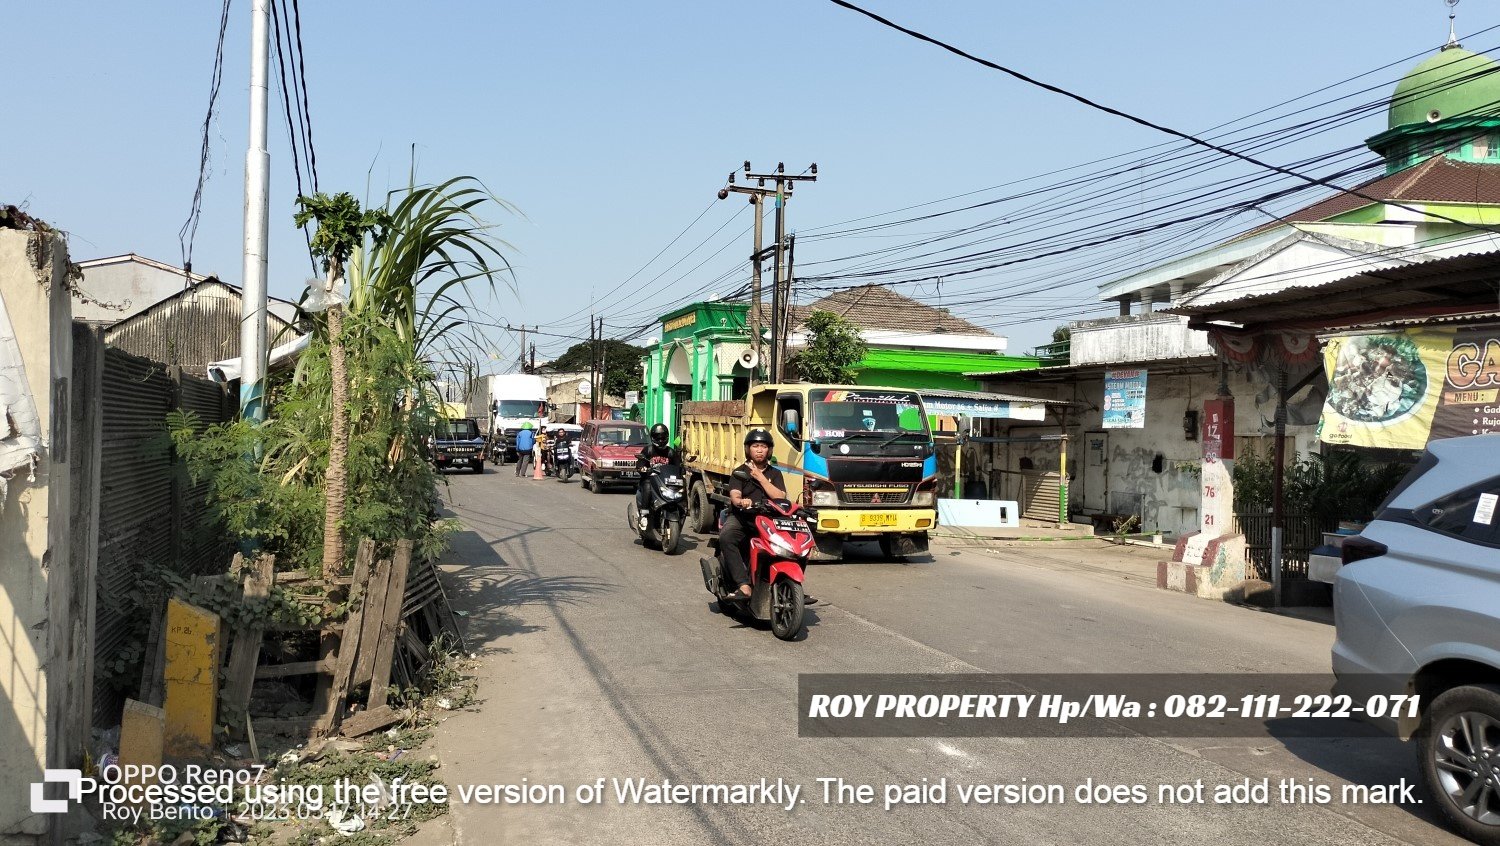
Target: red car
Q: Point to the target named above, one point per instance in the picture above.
(607, 452)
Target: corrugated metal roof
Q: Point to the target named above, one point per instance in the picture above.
(1442, 285)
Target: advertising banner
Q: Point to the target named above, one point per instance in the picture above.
(1399, 390)
(1124, 399)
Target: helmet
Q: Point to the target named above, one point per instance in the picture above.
(526, 425)
(660, 434)
(757, 436)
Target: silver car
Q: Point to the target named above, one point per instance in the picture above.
(1417, 607)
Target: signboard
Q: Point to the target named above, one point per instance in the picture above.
(1398, 390)
(993, 409)
(682, 322)
(1124, 399)
(632, 398)
(1218, 430)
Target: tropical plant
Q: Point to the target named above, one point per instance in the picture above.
(342, 226)
(834, 347)
(406, 310)
(1329, 488)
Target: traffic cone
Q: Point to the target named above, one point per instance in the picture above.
(536, 466)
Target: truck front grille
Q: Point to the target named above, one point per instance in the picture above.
(869, 495)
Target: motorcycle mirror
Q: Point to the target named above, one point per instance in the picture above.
(742, 475)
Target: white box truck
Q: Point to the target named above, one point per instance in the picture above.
(508, 401)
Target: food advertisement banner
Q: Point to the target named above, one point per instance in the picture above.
(1401, 389)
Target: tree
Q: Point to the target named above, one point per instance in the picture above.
(342, 226)
(834, 347)
(622, 365)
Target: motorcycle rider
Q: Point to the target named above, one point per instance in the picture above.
(765, 483)
(657, 452)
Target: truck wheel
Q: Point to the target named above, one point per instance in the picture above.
(891, 548)
(1458, 746)
(701, 509)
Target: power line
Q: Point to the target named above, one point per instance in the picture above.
(189, 231)
(1140, 120)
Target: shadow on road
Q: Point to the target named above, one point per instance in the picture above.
(483, 588)
(1365, 756)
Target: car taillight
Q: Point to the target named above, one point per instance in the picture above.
(1358, 549)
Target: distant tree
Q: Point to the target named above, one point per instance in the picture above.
(1062, 333)
(833, 349)
(622, 365)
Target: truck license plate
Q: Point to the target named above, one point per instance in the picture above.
(882, 519)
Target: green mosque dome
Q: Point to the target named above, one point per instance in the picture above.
(1453, 83)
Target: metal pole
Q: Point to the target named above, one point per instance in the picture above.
(786, 298)
(1278, 487)
(755, 299)
(256, 233)
(777, 353)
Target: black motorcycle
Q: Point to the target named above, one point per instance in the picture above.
(564, 462)
(661, 525)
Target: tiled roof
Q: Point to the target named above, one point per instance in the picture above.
(1437, 180)
(879, 307)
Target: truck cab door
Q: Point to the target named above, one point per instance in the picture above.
(791, 428)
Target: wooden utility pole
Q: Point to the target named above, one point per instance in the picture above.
(758, 193)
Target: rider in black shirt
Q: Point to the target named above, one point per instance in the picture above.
(765, 483)
(654, 454)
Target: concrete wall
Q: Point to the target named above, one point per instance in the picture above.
(1135, 338)
(43, 686)
(1169, 500)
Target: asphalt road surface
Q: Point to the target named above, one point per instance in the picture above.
(605, 660)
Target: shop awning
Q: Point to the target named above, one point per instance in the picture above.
(982, 404)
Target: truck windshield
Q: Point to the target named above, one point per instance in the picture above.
(518, 408)
(841, 413)
(458, 430)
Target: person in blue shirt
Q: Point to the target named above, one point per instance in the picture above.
(525, 442)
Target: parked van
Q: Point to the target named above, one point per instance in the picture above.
(607, 453)
(1417, 609)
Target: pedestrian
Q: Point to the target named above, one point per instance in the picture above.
(543, 442)
(525, 443)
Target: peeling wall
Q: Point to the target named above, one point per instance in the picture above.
(39, 686)
(1167, 500)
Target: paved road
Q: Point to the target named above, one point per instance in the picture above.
(604, 660)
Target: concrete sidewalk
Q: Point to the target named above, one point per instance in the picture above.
(1075, 547)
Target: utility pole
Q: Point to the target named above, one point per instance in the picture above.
(593, 365)
(522, 360)
(779, 291)
(256, 232)
(599, 387)
(533, 358)
(782, 192)
(786, 299)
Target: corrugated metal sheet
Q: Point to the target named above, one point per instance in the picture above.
(149, 512)
(190, 331)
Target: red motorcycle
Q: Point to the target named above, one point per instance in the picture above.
(779, 546)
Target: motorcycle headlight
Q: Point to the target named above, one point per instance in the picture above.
(922, 498)
(669, 493)
(825, 498)
(779, 543)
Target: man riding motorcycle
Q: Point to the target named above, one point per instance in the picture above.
(654, 454)
(766, 482)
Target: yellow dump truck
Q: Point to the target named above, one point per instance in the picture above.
(862, 457)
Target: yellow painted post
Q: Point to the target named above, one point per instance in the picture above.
(192, 679)
(142, 732)
(1062, 483)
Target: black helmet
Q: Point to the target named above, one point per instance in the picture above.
(757, 436)
(660, 434)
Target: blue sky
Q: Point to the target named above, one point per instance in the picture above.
(611, 125)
